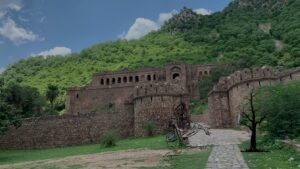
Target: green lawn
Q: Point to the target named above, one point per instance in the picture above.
(276, 158)
(14, 156)
(196, 160)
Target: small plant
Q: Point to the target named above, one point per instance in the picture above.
(109, 139)
(149, 128)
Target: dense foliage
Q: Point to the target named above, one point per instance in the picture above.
(244, 34)
(280, 105)
(18, 102)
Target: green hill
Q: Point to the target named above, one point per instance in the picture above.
(247, 32)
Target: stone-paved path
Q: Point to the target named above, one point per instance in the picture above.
(226, 157)
(226, 153)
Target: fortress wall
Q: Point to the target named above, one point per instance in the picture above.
(59, 131)
(219, 114)
(91, 99)
(156, 103)
(158, 109)
(235, 89)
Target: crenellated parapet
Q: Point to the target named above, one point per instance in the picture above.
(227, 99)
(245, 76)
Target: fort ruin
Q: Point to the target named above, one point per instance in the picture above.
(124, 100)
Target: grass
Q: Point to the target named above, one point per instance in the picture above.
(15, 156)
(196, 160)
(278, 157)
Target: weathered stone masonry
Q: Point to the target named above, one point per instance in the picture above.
(120, 101)
(226, 99)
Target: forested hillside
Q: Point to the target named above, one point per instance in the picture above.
(246, 33)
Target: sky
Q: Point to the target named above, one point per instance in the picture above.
(60, 27)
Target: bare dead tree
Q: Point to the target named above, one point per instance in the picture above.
(251, 119)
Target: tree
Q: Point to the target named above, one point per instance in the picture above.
(52, 93)
(280, 104)
(16, 103)
(251, 119)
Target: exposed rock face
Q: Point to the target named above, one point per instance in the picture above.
(267, 4)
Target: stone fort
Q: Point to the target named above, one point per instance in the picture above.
(124, 100)
(146, 95)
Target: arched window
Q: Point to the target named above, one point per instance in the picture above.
(125, 79)
(77, 96)
(102, 81)
(113, 80)
(149, 77)
(176, 76)
(119, 79)
(205, 72)
(107, 81)
(137, 79)
(154, 77)
(130, 78)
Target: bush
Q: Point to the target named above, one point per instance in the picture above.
(149, 128)
(109, 139)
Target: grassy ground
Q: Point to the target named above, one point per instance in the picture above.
(14, 156)
(278, 157)
(196, 160)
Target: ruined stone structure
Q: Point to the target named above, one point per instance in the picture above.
(148, 94)
(122, 101)
(227, 98)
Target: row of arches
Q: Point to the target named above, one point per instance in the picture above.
(128, 79)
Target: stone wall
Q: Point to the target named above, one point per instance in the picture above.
(58, 131)
(227, 98)
(156, 103)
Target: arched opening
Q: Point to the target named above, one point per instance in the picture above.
(125, 79)
(107, 81)
(176, 76)
(119, 80)
(137, 79)
(149, 77)
(102, 82)
(130, 79)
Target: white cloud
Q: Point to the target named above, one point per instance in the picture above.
(63, 51)
(203, 11)
(2, 14)
(15, 5)
(17, 35)
(140, 28)
(163, 17)
(143, 26)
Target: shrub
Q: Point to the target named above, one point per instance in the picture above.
(149, 128)
(109, 139)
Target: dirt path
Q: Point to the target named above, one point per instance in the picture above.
(129, 159)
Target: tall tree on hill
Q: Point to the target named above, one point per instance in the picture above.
(51, 94)
(251, 118)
